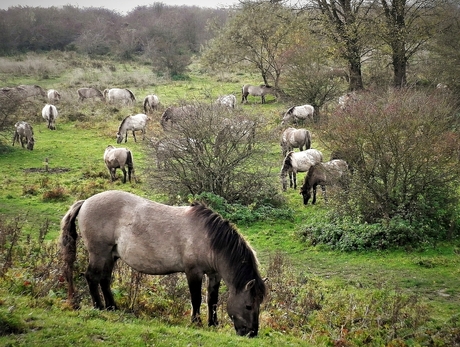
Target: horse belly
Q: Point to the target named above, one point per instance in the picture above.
(150, 258)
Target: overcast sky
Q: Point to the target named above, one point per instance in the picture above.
(121, 6)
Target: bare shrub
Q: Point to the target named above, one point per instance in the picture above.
(214, 150)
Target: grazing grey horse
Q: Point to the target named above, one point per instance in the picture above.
(298, 162)
(119, 158)
(89, 93)
(119, 95)
(32, 90)
(54, 96)
(322, 174)
(151, 103)
(24, 134)
(260, 90)
(158, 239)
(174, 113)
(296, 113)
(50, 114)
(227, 100)
(132, 123)
(295, 138)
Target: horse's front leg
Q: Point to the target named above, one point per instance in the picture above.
(194, 280)
(314, 195)
(134, 135)
(126, 136)
(213, 296)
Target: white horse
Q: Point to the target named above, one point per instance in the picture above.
(119, 158)
(50, 114)
(54, 96)
(151, 103)
(119, 95)
(296, 113)
(295, 138)
(132, 123)
(24, 134)
(227, 100)
(298, 162)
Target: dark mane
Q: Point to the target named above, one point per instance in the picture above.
(123, 122)
(227, 242)
(287, 163)
(290, 110)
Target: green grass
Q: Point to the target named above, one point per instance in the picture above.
(75, 164)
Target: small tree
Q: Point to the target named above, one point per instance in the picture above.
(403, 148)
(215, 150)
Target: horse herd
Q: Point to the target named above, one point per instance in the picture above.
(309, 160)
(158, 239)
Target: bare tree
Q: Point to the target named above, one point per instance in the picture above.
(406, 27)
(345, 22)
(258, 35)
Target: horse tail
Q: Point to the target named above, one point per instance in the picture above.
(68, 244)
(146, 101)
(131, 95)
(129, 163)
(308, 140)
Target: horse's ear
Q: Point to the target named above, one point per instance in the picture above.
(266, 280)
(249, 285)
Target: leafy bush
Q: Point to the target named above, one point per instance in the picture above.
(243, 214)
(402, 147)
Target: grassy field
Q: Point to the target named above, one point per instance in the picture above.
(346, 282)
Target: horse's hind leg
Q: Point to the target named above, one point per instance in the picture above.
(195, 279)
(124, 174)
(99, 273)
(213, 296)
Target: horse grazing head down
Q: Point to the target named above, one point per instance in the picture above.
(24, 134)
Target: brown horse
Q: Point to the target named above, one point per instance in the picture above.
(322, 174)
(158, 239)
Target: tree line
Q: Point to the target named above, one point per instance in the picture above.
(166, 36)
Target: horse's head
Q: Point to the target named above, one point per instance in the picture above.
(243, 308)
(30, 143)
(119, 137)
(305, 192)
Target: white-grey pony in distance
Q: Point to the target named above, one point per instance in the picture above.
(119, 158)
(24, 134)
(137, 122)
(151, 103)
(50, 114)
(260, 90)
(227, 101)
(119, 95)
(53, 96)
(295, 138)
(296, 113)
(295, 162)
